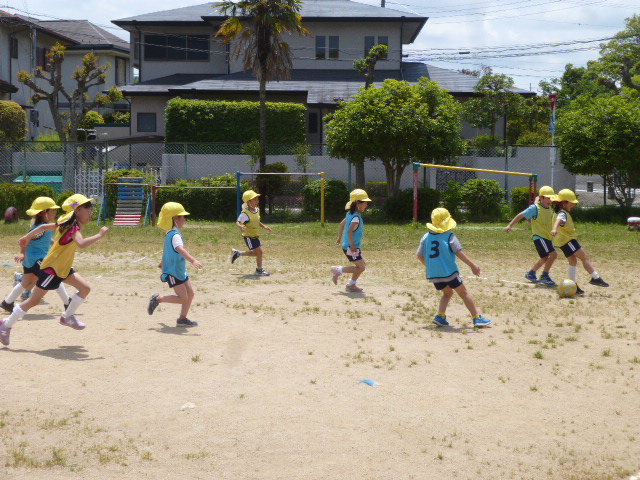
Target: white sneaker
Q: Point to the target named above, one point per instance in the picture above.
(353, 288)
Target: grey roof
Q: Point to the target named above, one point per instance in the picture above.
(85, 32)
(321, 86)
(311, 9)
(9, 18)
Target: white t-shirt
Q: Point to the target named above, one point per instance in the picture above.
(176, 240)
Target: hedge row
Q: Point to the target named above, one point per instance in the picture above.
(233, 122)
(22, 195)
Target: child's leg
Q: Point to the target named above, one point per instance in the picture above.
(447, 293)
(20, 310)
(467, 299)
(80, 284)
(584, 258)
(28, 281)
(256, 252)
(549, 260)
(184, 296)
(356, 269)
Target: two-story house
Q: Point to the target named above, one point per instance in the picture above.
(177, 54)
(27, 41)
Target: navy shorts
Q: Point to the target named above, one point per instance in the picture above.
(34, 269)
(353, 258)
(252, 242)
(172, 281)
(544, 247)
(570, 248)
(455, 283)
(48, 280)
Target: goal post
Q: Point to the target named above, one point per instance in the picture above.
(321, 176)
(533, 180)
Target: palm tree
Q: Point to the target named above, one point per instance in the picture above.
(258, 24)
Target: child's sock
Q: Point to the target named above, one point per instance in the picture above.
(16, 315)
(572, 273)
(76, 301)
(15, 293)
(352, 282)
(340, 270)
(442, 314)
(595, 275)
(62, 293)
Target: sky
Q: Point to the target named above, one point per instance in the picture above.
(529, 40)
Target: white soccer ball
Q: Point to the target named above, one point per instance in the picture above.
(567, 288)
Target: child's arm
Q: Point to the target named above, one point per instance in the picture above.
(241, 225)
(86, 242)
(474, 268)
(265, 227)
(188, 257)
(421, 258)
(341, 230)
(515, 220)
(24, 241)
(554, 230)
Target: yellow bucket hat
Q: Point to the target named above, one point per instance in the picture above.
(567, 195)
(249, 195)
(357, 194)
(41, 204)
(546, 191)
(168, 211)
(70, 205)
(441, 221)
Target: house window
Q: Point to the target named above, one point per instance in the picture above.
(121, 71)
(313, 122)
(146, 122)
(370, 42)
(321, 47)
(13, 47)
(176, 47)
(41, 58)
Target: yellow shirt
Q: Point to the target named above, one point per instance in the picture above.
(543, 223)
(62, 252)
(253, 225)
(566, 232)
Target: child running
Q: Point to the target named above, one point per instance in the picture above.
(541, 216)
(173, 265)
(249, 223)
(350, 238)
(57, 266)
(42, 211)
(565, 237)
(438, 250)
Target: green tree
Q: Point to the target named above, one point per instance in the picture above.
(87, 75)
(496, 100)
(619, 63)
(575, 81)
(397, 123)
(259, 24)
(601, 136)
(13, 122)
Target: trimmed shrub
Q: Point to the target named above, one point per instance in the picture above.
(209, 121)
(452, 198)
(482, 198)
(400, 207)
(21, 195)
(335, 197)
(13, 121)
(519, 199)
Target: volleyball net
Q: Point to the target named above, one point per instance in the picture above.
(533, 180)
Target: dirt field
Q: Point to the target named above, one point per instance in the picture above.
(268, 385)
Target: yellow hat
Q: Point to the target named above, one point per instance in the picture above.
(70, 205)
(357, 194)
(566, 195)
(41, 204)
(249, 195)
(168, 211)
(441, 221)
(546, 192)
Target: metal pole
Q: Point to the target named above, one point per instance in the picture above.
(416, 166)
(238, 194)
(322, 199)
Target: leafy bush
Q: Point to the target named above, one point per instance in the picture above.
(233, 122)
(519, 199)
(117, 117)
(604, 214)
(91, 119)
(335, 197)
(21, 195)
(452, 198)
(13, 122)
(400, 207)
(482, 198)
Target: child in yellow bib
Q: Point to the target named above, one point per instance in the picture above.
(249, 223)
(565, 237)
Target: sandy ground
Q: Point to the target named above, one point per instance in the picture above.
(268, 385)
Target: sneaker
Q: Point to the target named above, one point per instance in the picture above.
(4, 334)
(235, 254)
(441, 321)
(598, 282)
(579, 291)
(72, 322)
(545, 279)
(261, 272)
(185, 322)
(480, 322)
(153, 303)
(353, 288)
(335, 273)
(531, 275)
(7, 306)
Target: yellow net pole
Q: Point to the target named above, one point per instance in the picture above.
(469, 169)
